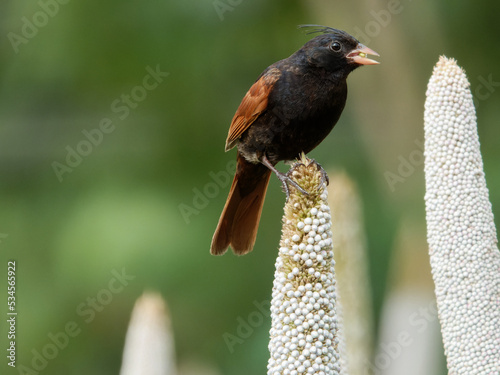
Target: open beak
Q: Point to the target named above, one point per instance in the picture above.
(359, 54)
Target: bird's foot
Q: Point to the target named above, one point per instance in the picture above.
(284, 178)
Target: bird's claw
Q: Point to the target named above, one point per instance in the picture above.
(324, 176)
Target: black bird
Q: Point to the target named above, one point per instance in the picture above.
(290, 109)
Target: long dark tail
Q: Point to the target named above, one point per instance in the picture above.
(239, 220)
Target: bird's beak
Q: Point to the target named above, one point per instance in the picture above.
(358, 55)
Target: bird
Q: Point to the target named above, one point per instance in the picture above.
(292, 106)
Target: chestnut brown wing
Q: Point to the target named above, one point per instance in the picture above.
(252, 105)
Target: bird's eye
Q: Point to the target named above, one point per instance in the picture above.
(335, 47)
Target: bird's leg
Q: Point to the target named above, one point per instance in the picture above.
(285, 180)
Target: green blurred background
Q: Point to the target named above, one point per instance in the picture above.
(120, 207)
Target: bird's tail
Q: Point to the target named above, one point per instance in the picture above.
(239, 220)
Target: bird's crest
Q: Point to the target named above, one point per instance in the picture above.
(313, 29)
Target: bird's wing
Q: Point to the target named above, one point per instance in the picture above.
(252, 105)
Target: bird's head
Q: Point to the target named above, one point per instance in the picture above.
(336, 50)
